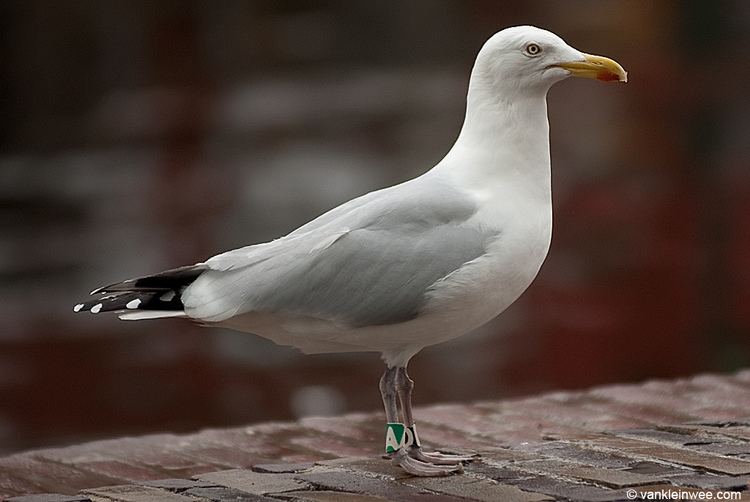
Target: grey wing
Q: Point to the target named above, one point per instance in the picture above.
(371, 277)
(375, 273)
(333, 223)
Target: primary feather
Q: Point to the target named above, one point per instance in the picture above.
(160, 293)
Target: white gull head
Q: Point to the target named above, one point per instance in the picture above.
(505, 135)
(529, 60)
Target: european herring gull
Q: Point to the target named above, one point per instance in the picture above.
(408, 266)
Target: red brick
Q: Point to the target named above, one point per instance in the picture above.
(23, 474)
(331, 496)
(133, 493)
(595, 475)
(49, 497)
(714, 463)
(350, 482)
(475, 489)
(282, 468)
(254, 482)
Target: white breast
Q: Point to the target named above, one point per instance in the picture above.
(485, 287)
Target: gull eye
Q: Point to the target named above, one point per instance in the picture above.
(532, 49)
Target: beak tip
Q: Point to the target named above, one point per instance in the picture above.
(596, 67)
(614, 77)
(621, 77)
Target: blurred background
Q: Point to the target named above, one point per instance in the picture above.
(142, 135)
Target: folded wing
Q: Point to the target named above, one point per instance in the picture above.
(369, 264)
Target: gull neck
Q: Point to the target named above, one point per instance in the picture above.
(504, 139)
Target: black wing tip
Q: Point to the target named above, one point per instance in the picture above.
(118, 286)
(152, 292)
(112, 303)
(94, 307)
(175, 278)
(163, 300)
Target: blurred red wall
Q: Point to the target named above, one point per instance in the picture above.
(138, 136)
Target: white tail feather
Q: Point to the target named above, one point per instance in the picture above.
(151, 314)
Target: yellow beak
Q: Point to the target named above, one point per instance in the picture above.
(597, 67)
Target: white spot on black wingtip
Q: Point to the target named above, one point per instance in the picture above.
(78, 307)
(167, 297)
(96, 308)
(133, 304)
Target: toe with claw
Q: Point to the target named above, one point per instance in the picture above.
(437, 458)
(416, 467)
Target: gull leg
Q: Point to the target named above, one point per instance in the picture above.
(404, 388)
(395, 431)
(388, 393)
(394, 427)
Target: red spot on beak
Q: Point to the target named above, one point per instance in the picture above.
(607, 76)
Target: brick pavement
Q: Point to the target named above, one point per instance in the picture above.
(689, 435)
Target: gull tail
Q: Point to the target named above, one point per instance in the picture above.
(150, 297)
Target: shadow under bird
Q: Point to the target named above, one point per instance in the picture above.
(408, 266)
